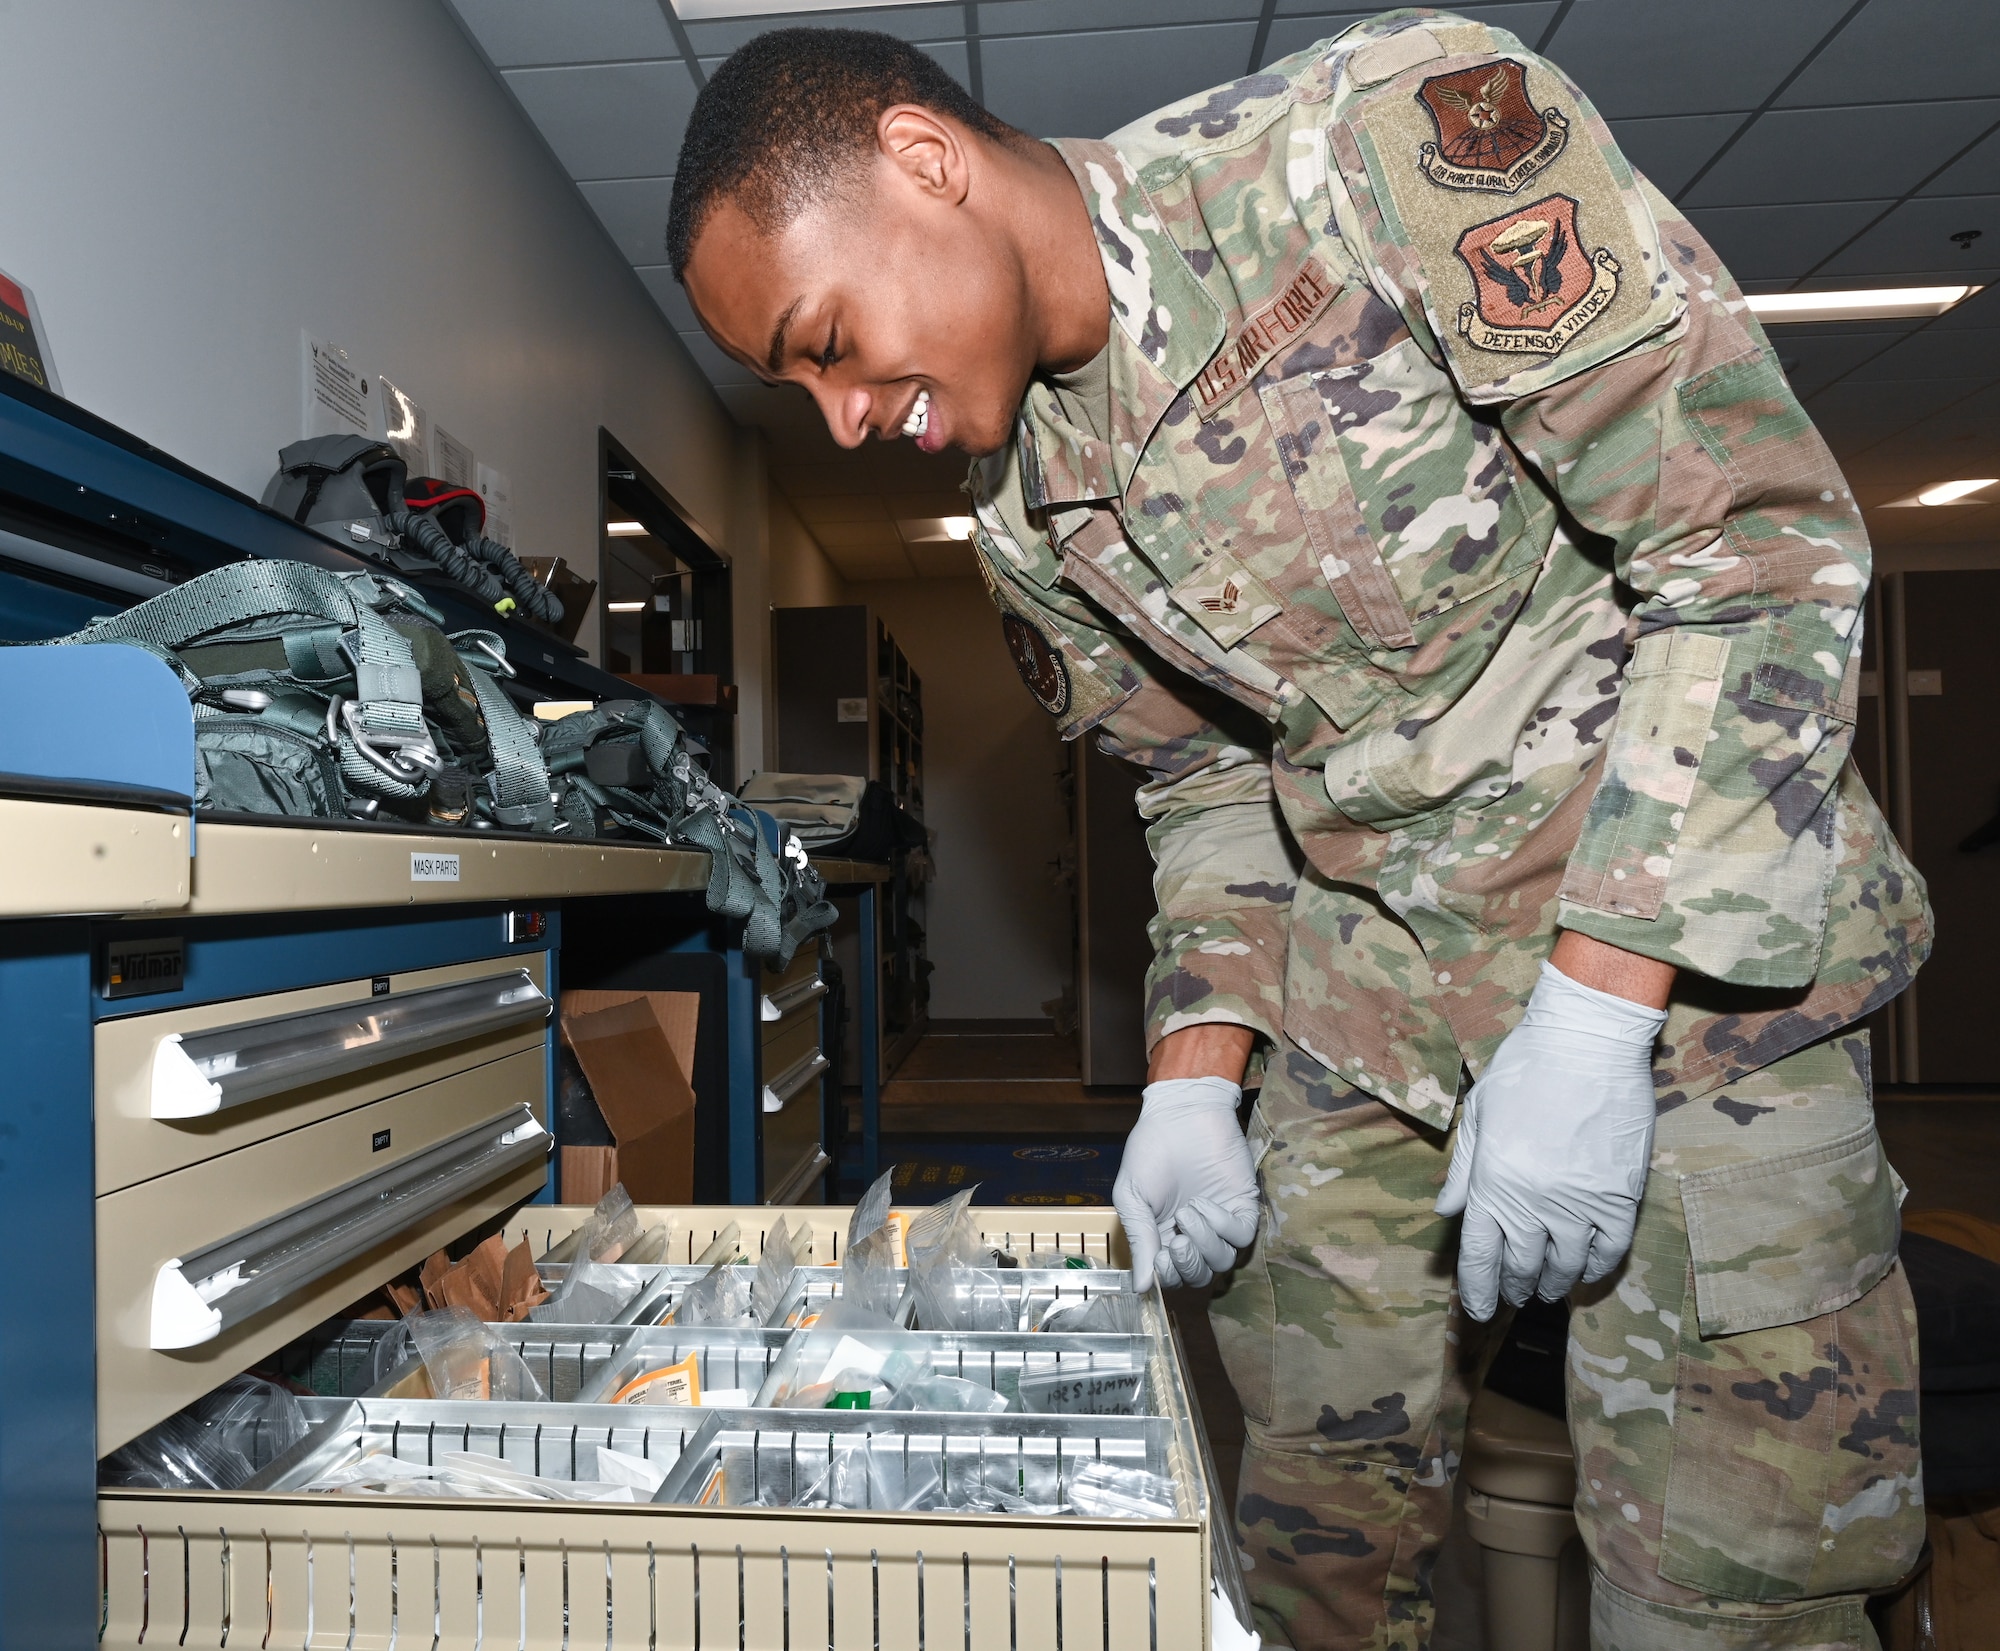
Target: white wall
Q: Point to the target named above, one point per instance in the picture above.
(191, 182)
(998, 930)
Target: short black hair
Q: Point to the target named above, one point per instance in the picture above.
(782, 122)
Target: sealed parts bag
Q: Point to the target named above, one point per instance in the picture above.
(329, 695)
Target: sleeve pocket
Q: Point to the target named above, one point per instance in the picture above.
(1622, 863)
(1788, 1238)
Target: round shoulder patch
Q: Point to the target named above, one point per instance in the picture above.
(1040, 665)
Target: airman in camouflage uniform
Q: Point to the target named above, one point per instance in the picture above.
(1462, 568)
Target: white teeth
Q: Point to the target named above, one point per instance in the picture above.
(920, 415)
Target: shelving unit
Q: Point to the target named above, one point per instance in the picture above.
(848, 702)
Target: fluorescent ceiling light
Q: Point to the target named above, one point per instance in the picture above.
(960, 527)
(932, 530)
(624, 607)
(1872, 304)
(707, 11)
(1952, 492)
(626, 530)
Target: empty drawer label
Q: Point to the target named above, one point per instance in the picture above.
(433, 868)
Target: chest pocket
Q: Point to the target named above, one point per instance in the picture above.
(1408, 498)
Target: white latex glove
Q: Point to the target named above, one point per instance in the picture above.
(1186, 1189)
(1553, 1147)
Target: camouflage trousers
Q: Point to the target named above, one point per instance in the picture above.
(1742, 1391)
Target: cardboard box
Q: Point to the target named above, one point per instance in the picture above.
(637, 1050)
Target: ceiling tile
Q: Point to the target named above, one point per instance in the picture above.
(635, 211)
(1982, 309)
(1900, 50)
(855, 563)
(1813, 360)
(1085, 85)
(937, 503)
(1977, 173)
(950, 55)
(946, 559)
(828, 509)
(669, 295)
(617, 121)
(1841, 154)
(875, 535)
(1670, 149)
(998, 18)
(918, 23)
(515, 33)
(1780, 243)
(1933, 356)
(1644, 57)
(1916, 239)
(718, 368)
(1295, 33)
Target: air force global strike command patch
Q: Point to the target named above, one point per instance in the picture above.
(1488, 133)
(1040, 665)
(1534, 287)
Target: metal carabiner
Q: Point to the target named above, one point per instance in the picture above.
(409, 764)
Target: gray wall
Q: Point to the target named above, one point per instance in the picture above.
(998, 929)
(191, 182)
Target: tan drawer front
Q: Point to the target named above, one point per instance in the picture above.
(245, 1570)
(133, 1146)
(140, 1228)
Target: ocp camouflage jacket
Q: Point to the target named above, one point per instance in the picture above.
(1461, 566)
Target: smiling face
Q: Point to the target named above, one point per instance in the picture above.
(898, 284)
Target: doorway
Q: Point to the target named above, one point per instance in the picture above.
(665, 609)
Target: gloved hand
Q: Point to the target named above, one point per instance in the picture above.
(1553, 1147)
(1186, 1189)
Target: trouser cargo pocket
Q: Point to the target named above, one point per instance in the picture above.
(1794, 1470)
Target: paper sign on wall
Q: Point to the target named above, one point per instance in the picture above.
(498, 493)
(340, 399)
(405, 427)
(455, 464)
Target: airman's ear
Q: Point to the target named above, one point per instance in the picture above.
(925, 148)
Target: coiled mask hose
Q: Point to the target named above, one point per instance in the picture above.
(422, 535)
(535, 600)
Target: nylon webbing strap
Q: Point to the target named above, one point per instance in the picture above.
(388, 690)
(520, 778)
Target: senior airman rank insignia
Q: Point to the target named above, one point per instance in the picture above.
(1534, 287)
(1489, 135)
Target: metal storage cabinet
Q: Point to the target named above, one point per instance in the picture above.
(96, 781)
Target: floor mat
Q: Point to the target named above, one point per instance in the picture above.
(1076, 1171)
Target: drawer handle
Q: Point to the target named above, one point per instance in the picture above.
(198, 1073)
(782, 1002)
(197, 1296)
(790, 1081)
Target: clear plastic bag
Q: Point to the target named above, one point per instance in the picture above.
(1110, 1313)
(843, 1337)
(868, 1274)
(872, 1213)
(878, 1478)
(589, 1294)
(927, 1390)
(459, 1473)
(775, 1270)
(1055, 1261)
(1101, 1490)
(468, 1360)
(217, 1443)
(720, 1297)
